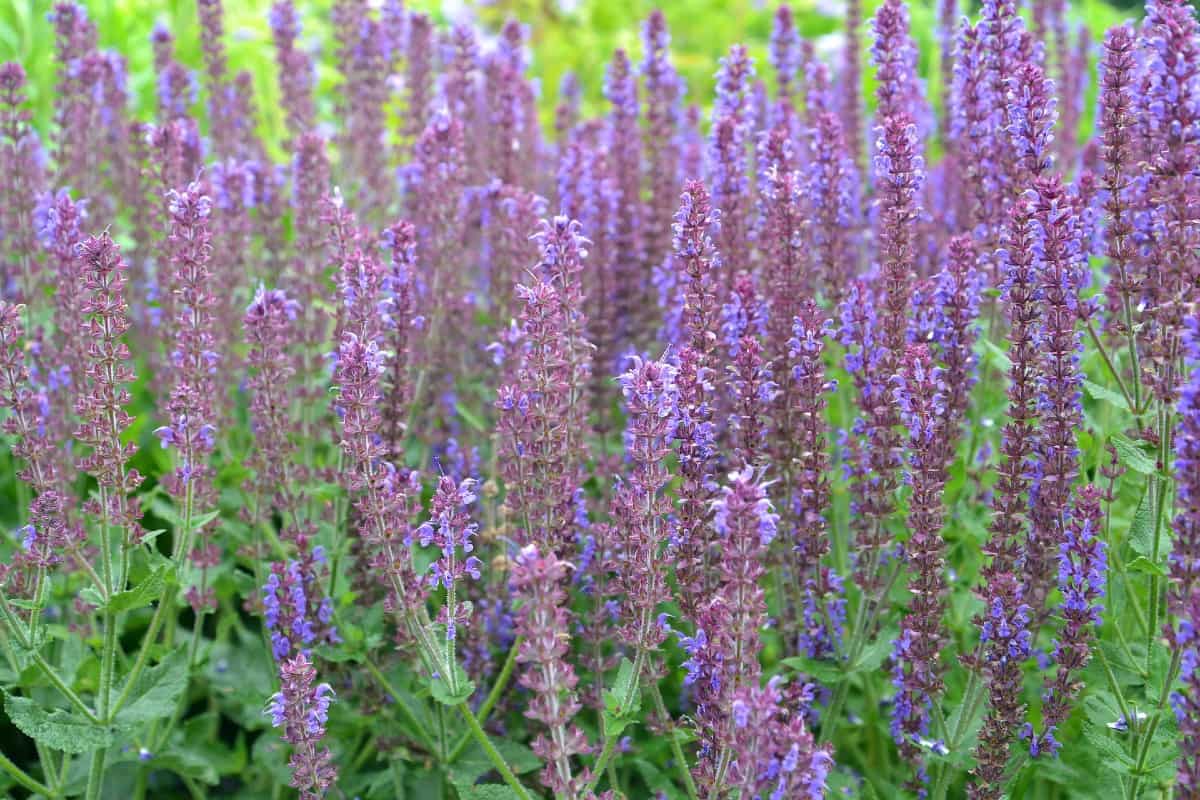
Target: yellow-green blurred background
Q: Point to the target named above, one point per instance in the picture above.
(577, 35)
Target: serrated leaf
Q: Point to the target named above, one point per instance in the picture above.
(56, 729)
(1132, 455)
(1112, 754)
(141, 595)
(1145, 565)
(158, 691)
(439, 689)
(1141, 530)
(1098, 392)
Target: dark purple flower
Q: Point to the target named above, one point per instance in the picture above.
(302, 710)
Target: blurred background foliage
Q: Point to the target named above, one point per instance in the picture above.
(565, 35)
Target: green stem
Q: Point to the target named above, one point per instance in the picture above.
(492, 753)
(24, 778)
(408, 713)
(1112, 370)
(680, 760)
(493, 697)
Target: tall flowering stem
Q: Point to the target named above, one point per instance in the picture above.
(724, 655)
(1082, 566)
(103, 421)
(921, 392)
(20, 158)
(732, 125)
(776, 755)
(192, 428)
(651, 401)
(302, 711)
(1005, 636)
(1060, 275)
(543, 623)
(660, 144)
(1183, 593)
(696, 263)
(809, 490)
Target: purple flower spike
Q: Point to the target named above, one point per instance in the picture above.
(302, 710)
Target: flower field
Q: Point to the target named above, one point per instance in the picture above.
(434, 430)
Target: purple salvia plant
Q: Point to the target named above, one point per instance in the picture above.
(723, 654)
(21, 161)
(921, 393)
(732, 125)
(1116, 121)
(451, 530)
(1001, 35)
(1056, 455)
(787, 60)
(899, 175)
(780, 235)
(77, 106)
(295, 70)
(532, 412)
(955, 330)
(222, 109)
(542, 621)
(1183, 593)
(418, 76)
(776, 755)
(505, 88)
(970, 129)
(302, 710)
(664, 91)
(194, 361)
(697, 264)
(1032, 112)
(641, 507)
(851, 107)
(1171, 39)
(400, 318)
(833, 184)
(44, 536)
(1082, 566)
(1005, 636)
(624, 154)
(948, 22)
(58, 222)
(175, 87)
(751, 390)
(295, 612)
(807, 466)
(898, 90)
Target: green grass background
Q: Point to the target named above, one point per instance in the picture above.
(578, 35)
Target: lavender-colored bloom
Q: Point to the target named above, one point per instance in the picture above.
(851, 109)
(776, 756)
(1183, 597)
(543, 621)
(1005, 631)
(696, 262)
(1031, 117)
(418, 80)
(21, 161)
(193, 356)
(1060, 274)
(920, 393)
(296, 72)
(833, 184)
(624, 154)
(302, 710)
(900, 176)
(955, 328)
(733, 123)
(895, 57)
(664, 91)
(751, 389)
(652, 408)
(451, 530)
(1117, 120)
(786, 57)
(1082, 567)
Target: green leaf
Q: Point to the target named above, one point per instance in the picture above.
(1131, 454)
(1143, 564)
(57, 729)
(1141, 530)
(158, 690)
(996, 355)
(874, 654)
(1098, 392)
(440, 689)
(189, 764)
(1112, 754)
(141, 595)
(487, 791)
(470, 417)
(616, 698)
(826, 672)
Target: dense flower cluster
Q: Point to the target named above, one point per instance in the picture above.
(526, 437)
